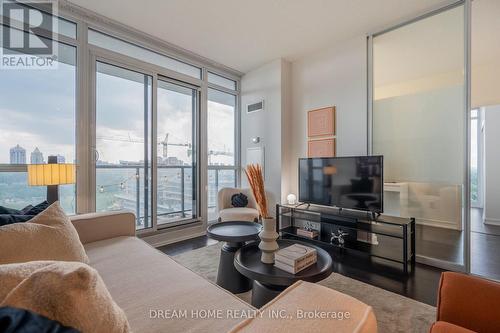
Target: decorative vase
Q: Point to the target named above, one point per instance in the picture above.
(268, 244)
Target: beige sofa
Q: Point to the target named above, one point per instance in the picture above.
(152, 288)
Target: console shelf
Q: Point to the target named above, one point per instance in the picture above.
(386, 237)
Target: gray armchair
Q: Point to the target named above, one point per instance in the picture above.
(229, 213)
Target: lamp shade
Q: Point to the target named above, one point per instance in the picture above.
(51, 174)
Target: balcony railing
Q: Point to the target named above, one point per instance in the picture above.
(122, 187)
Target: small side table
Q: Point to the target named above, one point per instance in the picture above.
(235, 234)
(269, 281)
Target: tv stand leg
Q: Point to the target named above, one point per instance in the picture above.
(405, 249)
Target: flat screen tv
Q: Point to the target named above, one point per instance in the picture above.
(345, 182)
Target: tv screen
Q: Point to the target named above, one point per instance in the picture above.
(344, 182)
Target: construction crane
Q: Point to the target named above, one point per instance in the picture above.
(216, 153)
(163, 143)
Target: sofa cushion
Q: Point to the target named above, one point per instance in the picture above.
(309, 307)
(239, 214)
(48, 236)
(444, 327)
(147, 284)
(71, 293)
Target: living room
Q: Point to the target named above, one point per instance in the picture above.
(166, 160)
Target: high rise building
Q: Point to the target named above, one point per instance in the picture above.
(17, 155)
(61, 159)
(36, 157)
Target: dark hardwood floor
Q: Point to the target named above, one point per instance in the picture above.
(447, 245)
(187, 245)
(420, 285)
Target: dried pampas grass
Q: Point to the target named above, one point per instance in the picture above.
(256, 181)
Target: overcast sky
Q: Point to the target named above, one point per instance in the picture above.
(37, 109)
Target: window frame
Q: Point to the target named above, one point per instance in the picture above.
(61, 39)
(87, 54)
(237, 141)
(479, 203)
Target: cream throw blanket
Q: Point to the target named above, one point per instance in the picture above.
(72, 293)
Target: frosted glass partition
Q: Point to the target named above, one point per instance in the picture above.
(418, 124)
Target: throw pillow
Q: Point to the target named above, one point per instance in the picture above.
(239, 200)
(48, 236)
(71, 293)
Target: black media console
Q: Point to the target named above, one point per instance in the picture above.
(386, 237)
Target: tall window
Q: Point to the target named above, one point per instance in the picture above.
(123, 116)
(37, 119)
(221, 128)
(475, 158)
(176, 154)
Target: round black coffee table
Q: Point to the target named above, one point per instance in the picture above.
(268, 281)
(235, 234)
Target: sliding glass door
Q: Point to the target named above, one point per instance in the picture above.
(177, 167)
(149, 131)
(123, 148)
(418, 122)
(127, 142)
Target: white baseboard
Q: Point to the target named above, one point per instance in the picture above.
(163, 242)
(491, 221)
(170, 237)
(438, 224)
(443, 264)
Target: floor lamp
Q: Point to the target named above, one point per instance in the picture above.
(51, 175)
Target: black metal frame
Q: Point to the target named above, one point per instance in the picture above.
(407, 238)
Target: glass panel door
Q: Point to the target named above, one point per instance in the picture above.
(419, 126)
(123, 125)
(221, 142)
(485, 139)
(176, 152)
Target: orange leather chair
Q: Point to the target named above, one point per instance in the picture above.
(467, 304)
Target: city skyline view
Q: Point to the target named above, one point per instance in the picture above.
(30, 123)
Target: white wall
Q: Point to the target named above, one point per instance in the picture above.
(492, 164)
(335, 76)
(270, 83)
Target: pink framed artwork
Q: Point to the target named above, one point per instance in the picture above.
(321, 148)
(321, 122)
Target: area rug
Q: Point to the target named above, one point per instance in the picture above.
(395, 313)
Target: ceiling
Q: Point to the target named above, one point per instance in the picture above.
(243, 34)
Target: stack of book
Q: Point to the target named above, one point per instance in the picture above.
(307, 233)
(295, 258)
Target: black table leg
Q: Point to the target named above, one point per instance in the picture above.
(264, 293)
(227, 276)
